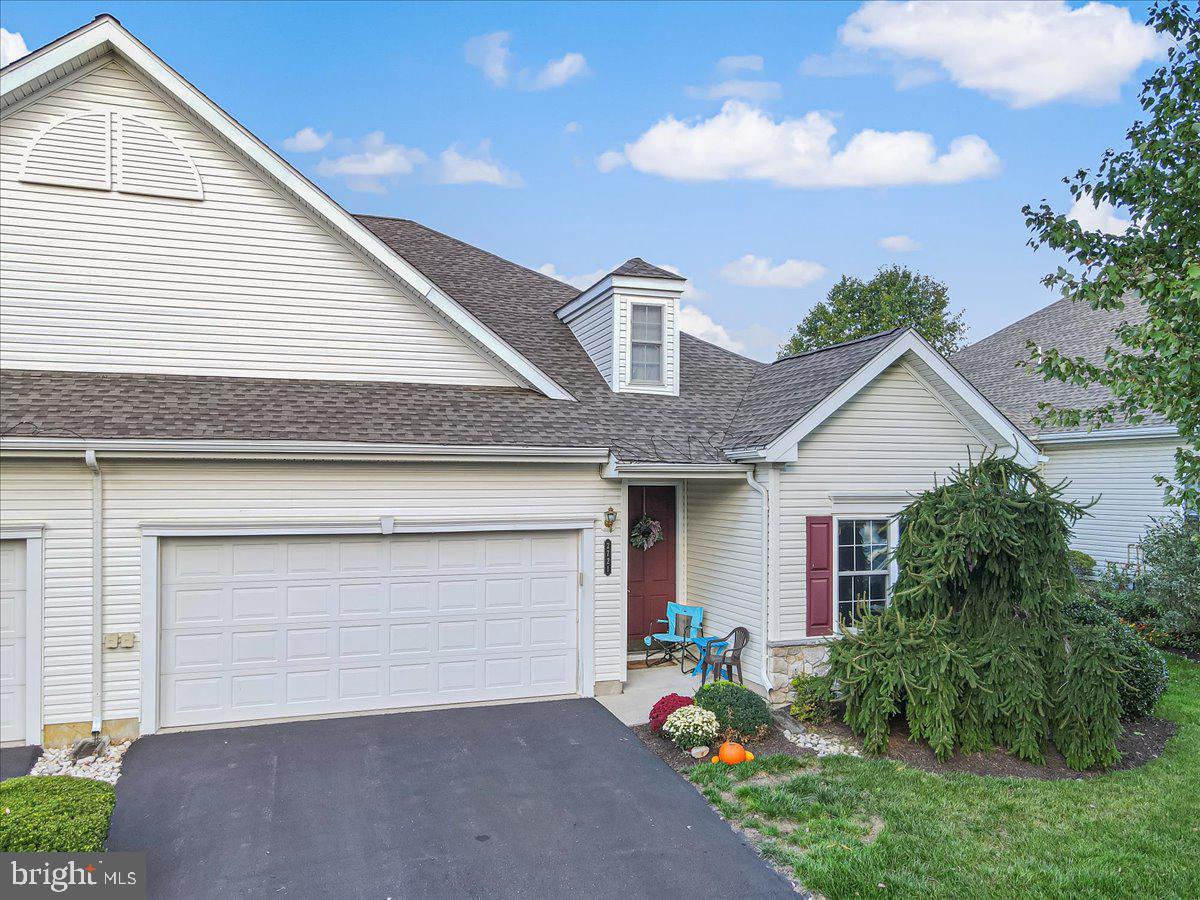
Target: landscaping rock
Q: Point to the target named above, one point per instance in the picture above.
(104, 765)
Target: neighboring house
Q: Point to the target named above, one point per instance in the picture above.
(265, 459)
(1116, 463)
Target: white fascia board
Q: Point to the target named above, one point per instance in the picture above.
(107, 31)
(16, 446)
(631, 285)
(784, 448)
(1133, 433)
(685, 471)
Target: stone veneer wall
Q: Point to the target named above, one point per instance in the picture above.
(790, 660)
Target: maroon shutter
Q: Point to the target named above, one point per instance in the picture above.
(820, 575)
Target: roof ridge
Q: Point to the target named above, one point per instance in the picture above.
(860, 340)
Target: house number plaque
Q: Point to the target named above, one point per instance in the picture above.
(608, 556)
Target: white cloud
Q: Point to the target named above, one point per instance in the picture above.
(12, 46)
(585, 280)
(456, 168)
(572, 128)
(694, 321)
(1100, 216)
(307, 140)
(490, 53)
(377, 160)
(899, 243)
(557, 72)
(747, 63)
(742, 141)
(757, 271)
(1024, 53)
(690, 291)
(747, 90)
(610, 159)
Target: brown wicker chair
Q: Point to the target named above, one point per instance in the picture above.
(724, 654)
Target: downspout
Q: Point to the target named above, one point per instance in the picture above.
(765, 674)
(89, 459)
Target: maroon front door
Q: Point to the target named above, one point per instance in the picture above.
(651, 572)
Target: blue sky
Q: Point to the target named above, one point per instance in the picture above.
(724, 130)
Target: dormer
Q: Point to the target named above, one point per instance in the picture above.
(628, 322)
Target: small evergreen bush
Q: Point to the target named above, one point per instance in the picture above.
(975, 649)
(691, 726)
(54, 814)
(741, 714)
(664, 707)
(812, 699)
(1082, 564)
(1143, 668)
(1170, 576)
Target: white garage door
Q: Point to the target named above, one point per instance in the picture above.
(12, 640)
(256, 628)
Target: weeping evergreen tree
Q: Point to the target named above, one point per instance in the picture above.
(974, 649)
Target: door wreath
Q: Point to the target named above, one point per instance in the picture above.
(645, 533)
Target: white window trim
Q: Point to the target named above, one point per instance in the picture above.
(153, 534)
(893, 570)
(662, 344)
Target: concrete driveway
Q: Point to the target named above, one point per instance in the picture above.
(554, 799)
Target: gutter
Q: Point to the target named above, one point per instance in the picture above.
(89, 460)
(764, 656)
(1114, 434)
(234, 449)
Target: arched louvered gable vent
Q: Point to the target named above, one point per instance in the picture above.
(108, 150)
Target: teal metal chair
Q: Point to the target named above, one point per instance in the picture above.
(685, 627)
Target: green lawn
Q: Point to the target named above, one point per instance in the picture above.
(875, 828)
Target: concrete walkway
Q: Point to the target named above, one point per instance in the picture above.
(538, 800)
(644, 688)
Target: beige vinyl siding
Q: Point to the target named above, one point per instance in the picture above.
(725, 562)
(593, 328)
(57, 494)
(892, 438)
(241, 283)
(1121, 474)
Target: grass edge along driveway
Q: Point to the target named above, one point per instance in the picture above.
(876, 828)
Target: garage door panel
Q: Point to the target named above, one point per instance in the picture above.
(489, 617)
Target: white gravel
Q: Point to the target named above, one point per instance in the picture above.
(106, 767)
(819, 744)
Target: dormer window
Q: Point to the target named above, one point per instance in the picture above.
(628, 322)
(647, 334)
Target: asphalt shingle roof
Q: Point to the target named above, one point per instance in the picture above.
(725, 400)
(782, 393)
(639, 267)
(1075, 329)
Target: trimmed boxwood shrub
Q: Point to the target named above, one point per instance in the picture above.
(1143, 668)
(812, 698)
(54, 814)
(741, 713)
(664, 707)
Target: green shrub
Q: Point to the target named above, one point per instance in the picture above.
(812, 698)
(975, 648)
(1170, 576)
(742, 715)
(1143, 669)
(54, 814)
(1082, 564)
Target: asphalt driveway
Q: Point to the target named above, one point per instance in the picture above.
(553, 799)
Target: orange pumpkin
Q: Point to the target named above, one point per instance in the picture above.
(732, 753)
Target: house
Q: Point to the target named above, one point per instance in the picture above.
(1116, 463)
(265, 459)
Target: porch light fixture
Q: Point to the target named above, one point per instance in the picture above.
(610, 518)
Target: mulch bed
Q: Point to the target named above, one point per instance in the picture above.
(1193, 655)
(680, 761)
(1141, 741)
